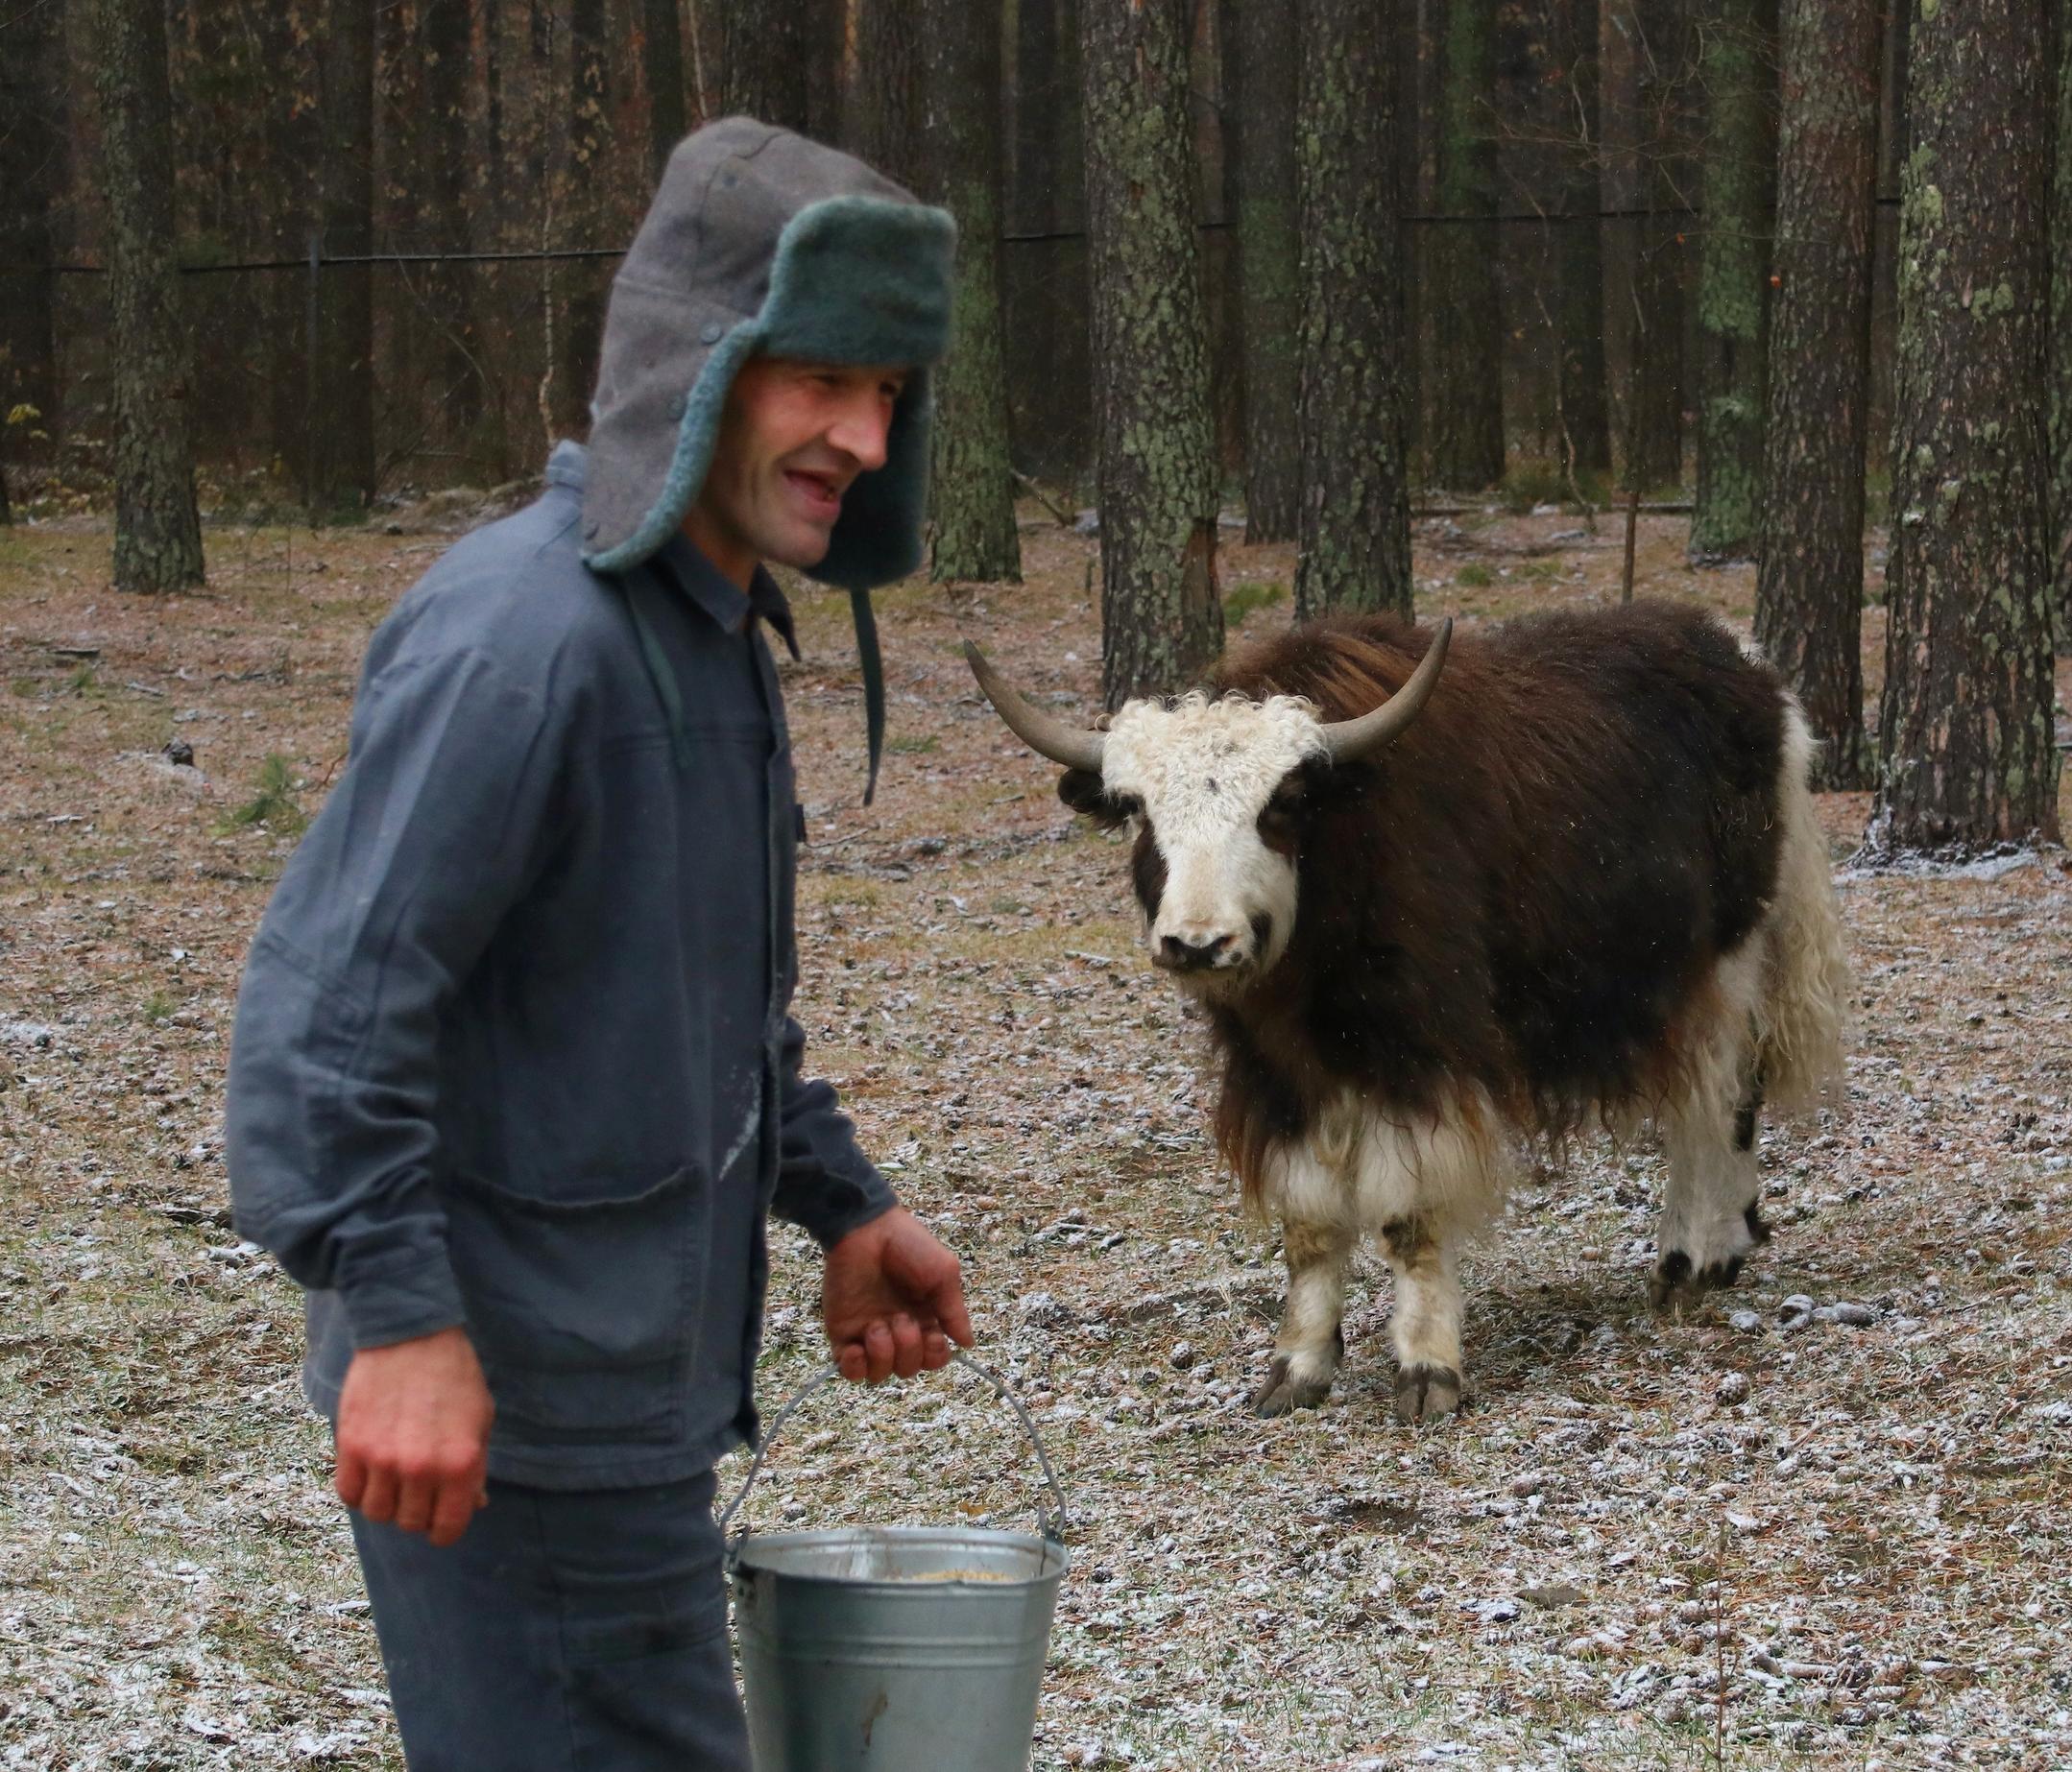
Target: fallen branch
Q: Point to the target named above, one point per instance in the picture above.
(1065, 519)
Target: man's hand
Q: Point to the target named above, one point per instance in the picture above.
(893, 1298)
(413, 1433)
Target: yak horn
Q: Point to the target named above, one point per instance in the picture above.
(1044, 733)
(1349, 740)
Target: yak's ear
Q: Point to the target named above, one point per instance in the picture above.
(1082, 791)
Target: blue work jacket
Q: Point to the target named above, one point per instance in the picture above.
(512, 1046)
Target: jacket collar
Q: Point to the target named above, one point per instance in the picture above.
(679, 563)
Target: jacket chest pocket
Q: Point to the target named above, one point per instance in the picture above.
(581, 1306)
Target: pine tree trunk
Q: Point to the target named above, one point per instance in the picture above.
(1885, 239)
(1043, 276)
(662, 64)
(342, 440)
(448, 289)
(1733, 281)
(158, 527)
(1585, 412)
(292, 144)
(1810, 581)
(1655, 422)
(765, 57)
(1270, 265)
(1356, 522)
(1464, 421)
(1411, 198)
(1966, 757)
(580, 210)
(972, 482)
(1161, 620)
(33, 137)
(826, 66)
(2060, 414)
(886, 101)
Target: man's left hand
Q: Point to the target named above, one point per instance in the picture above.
(893, 1298)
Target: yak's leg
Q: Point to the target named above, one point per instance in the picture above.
(1709, 1217)
(1426, 1326)
(1312, 1341)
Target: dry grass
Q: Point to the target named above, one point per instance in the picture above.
(1746, 1541)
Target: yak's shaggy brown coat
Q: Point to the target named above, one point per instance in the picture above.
(1584, 883)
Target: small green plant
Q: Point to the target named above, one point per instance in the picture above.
(1252, 594)
(1475, 576)
(912, 743)
(1531, 482)
(158, 1006)
(1539, 571)
(274, 806)
(82, 681)
(1540, 482)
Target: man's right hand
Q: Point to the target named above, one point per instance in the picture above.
(413, 1434)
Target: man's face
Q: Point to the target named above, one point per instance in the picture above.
(794, 436)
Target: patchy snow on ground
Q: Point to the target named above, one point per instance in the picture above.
(1819, 1521)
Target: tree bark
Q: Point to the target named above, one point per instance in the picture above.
(1586, 413)
(447, 48)
(661, 65)
(1733, 280)
(1161, 620)
(1355, 529)
(157, 526)
(764, 53)
(1043, 276)
(1263, 70)
(1655, 422)
(1465, 420)
(291, 135)
(1967, 758)
(341, 442)
(886, 100)
(1885, 238)
(1810, 580)
(33, 139)
(1413, 198)
(2060, 414)
(581, 205)
(973, 481)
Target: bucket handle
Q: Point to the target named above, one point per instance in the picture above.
(1053, 1525)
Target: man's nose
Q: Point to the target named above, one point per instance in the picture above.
(861, 431)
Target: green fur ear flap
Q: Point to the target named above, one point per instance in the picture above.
(874, 683)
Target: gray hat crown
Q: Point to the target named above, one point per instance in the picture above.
(761, 241)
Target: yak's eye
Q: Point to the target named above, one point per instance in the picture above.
(1280, 818)
(1126, 805)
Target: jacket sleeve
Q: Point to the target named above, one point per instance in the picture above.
(436, 828)
(825, 1183)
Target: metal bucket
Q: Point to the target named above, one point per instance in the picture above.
(894, 1648)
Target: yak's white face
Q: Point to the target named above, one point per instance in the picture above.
(1209, 783)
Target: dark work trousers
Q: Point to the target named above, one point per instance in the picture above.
(583, 1631)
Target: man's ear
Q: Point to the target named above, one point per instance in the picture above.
(1082, 791)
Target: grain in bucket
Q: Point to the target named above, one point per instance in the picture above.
(894, 1648)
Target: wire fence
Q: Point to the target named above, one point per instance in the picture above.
(481, 356)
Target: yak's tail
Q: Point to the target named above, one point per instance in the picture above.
(1804, 1001)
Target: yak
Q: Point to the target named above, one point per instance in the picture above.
(1446, 900)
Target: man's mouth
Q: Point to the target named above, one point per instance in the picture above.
(820, 493)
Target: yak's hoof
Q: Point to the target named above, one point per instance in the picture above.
(1282, 1391)
(1425, 1391)
(1676, 1284)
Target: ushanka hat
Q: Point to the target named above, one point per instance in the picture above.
(760, 241)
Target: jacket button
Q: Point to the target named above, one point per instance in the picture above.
(710, 332)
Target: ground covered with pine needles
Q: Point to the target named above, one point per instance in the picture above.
(1822, 1522)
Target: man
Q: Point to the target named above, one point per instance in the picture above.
(514, 1085)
